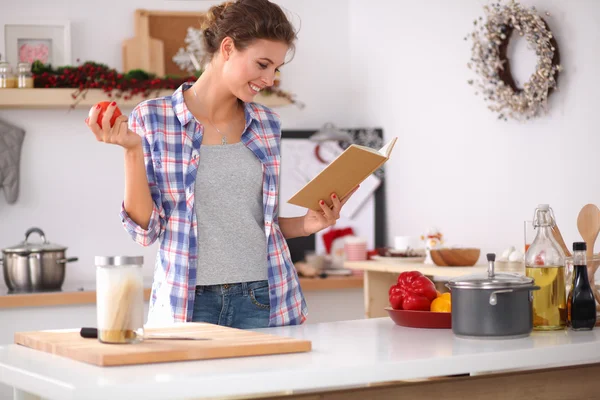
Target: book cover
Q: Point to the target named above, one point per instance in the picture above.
(342, 175)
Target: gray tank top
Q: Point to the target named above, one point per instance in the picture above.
(229, 206)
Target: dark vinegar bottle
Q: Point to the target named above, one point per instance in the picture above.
(581, 299)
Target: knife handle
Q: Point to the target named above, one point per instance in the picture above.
(89, 333)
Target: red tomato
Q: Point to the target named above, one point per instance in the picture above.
(104, 105)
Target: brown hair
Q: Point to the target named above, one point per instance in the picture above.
(245, 21)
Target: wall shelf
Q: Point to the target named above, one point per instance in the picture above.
(61, 98)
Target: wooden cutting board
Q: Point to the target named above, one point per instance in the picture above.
(143, 51)
(225, 343)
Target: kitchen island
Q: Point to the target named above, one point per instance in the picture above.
(329, 299)
(369, 358)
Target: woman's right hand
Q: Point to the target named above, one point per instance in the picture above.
(118, 134)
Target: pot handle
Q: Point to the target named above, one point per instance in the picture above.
(531, 289)
(66, 260)
(493, 299)
(35, 230)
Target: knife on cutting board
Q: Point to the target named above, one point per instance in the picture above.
(92, 333)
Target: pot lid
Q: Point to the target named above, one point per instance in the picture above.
(28, 247)
(491, 280)
(498, 281)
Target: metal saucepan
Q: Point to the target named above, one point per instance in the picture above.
(34, 266)
(492, 305)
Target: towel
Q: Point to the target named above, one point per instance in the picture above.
(11, 141)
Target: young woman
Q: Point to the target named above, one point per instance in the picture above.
(202, 177)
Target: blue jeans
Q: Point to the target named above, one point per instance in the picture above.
(243, 305)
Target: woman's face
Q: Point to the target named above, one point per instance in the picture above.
(249, 71)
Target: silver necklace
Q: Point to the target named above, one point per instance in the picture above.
(223, 136)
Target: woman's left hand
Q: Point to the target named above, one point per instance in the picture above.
(315, 221)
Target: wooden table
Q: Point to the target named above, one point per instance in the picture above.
(379, 276)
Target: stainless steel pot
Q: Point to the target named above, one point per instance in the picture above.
(34, 266)
(492, 305)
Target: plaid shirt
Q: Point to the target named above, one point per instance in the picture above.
(171, 139)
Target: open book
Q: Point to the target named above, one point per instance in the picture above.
(342, 175)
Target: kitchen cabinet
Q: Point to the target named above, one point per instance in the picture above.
(367, 358)
(379, 276)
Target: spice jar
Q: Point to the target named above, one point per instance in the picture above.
(24, 75)
(7, 79)
(119, 299)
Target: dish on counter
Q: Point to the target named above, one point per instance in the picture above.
(388, 255)
(421, 319)
(455, 257)
(398, 260)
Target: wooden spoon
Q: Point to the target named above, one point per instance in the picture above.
(588, 224)
(559, 239)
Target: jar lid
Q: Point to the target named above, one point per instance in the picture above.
(497, 281)
(5, 66)
(114, 261)
(27, 247)
(24, 67)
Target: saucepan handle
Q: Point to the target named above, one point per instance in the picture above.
(531, 289)
(494, 299)
(66, 260)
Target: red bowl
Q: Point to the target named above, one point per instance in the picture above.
(421, 319)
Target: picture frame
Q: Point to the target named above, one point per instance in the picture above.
(27, 41)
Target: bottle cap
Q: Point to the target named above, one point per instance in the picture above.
(579, 246)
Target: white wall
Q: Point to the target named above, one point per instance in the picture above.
(400, 65)
(72, 186)
(455, 165)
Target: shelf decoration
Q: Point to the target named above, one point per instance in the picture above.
(489, 61)
(92, 75)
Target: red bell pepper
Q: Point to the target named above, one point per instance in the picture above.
(414, 291)
(396, 294)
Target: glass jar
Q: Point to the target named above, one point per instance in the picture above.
(7, 79)
(119, 299)
(545, 263)
(24, 76)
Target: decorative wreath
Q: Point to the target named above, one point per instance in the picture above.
(490, 62)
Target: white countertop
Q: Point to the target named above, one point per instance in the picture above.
(345, 354)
